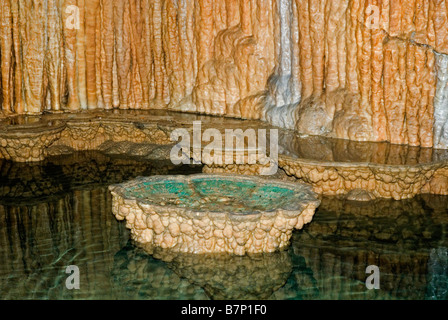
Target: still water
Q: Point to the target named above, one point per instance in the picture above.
(58, 213)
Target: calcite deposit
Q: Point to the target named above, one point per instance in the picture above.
(397, 182)
(213, 213)
(330, 166)
(363, 70)
(29, 143)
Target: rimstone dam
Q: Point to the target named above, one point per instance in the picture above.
(352, 99)
(80, 73)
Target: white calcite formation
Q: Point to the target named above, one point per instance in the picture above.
(331, 166)
(441, 103)
(195, 229)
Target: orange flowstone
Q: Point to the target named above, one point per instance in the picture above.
(222, 57)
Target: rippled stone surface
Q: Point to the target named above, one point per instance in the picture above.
(116, 123)
(371, 71)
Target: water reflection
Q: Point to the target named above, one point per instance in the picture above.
(58, 213)
(340, 150)
(40, 240)
(397, 236)
(438, 274)
(137, 275)
(224, 276)
(23, 183)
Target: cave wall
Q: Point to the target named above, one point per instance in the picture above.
(355, 69)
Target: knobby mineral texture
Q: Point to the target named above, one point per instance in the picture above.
(162, 211)
(331, 166)
(358, 69)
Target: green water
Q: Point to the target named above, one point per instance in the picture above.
(215, 194)
(58, 213)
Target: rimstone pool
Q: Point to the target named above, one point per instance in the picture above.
(331, 117)
(58, 213)
(213, 213)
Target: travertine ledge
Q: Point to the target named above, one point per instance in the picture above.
(339, 178)
(331, 166)
(213, 213)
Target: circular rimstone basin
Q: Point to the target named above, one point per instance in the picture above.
(213, 213)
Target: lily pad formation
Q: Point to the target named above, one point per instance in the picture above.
(213, 213)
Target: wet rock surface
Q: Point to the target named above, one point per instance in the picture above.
(348, 69)
(331, 166)
(213, 213)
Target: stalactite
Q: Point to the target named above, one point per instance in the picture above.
(33, 23)
(317, 24)
(204, 33)
(186, 39)
(54, 56)
(81, 62)
(306, 60)
(69, 26)
(123, 51)
(378, 112)
(6, 46)
(268, 59)
(92, 7)
(177, 86)
(107, 52)
(159, 60)
(141, 42)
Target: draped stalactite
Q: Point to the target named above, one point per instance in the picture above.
(362, 69)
